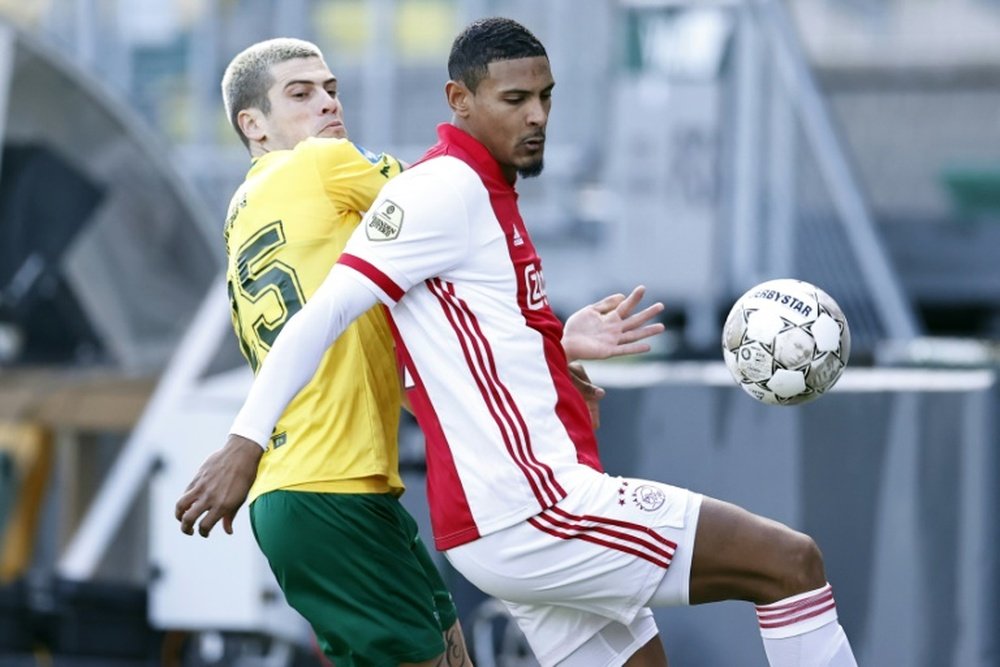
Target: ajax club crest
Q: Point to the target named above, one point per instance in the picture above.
(648, 498)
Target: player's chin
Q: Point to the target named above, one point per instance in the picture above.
(531, 167)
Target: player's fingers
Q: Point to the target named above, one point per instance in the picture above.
(641, 333)
(609, 303)
(227, 523)
(590, 390)
(578, 372)
(208, 522)
(191, 515)
(630, 348)
(643, 316)
(631, 301)
(183, 503)
(583, 384)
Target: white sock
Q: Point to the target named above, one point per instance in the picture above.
(802, 631)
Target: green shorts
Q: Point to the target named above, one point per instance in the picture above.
(354, 566)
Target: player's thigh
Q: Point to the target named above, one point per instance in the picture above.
(603, 549)
(741, 555)
(443, 602)
(346, 562)
(457, 653)
(600, 554)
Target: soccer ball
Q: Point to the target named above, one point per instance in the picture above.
(786, 342)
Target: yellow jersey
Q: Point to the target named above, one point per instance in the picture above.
(287, 224)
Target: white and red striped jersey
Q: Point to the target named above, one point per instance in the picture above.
(445, 248)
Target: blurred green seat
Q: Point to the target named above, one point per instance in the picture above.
(974, 190)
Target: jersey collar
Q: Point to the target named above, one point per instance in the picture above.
(477, 155)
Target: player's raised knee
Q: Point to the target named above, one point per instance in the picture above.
(803, 564)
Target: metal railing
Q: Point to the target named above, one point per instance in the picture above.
(826, 233)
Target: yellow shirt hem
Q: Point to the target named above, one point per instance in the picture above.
(371, 484)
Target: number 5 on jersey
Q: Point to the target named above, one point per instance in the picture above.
(267, 294)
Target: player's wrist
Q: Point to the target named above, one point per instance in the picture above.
(570, 349)
(246, 439)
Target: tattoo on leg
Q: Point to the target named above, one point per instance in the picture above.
(454, 649)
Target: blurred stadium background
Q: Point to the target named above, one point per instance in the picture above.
(697, 147)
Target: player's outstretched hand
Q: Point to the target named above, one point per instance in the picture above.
(219, 487)
(609, 328)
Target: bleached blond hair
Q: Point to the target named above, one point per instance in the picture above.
(248, 75)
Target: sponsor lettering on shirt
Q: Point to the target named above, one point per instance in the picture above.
(534, 283)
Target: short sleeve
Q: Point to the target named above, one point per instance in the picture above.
(418, 228)
(351, 175)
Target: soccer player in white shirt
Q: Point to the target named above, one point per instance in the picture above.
(519, 501)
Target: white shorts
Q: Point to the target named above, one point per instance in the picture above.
(594, 559)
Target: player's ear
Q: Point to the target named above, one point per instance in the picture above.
(459, 98)
(251, 124)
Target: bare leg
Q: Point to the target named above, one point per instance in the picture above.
(741, 556)
(455, 652)
(650, 655)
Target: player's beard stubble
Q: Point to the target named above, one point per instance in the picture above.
(531, 170)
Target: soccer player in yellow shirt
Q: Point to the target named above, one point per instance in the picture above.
(324, 501)
(325, 492)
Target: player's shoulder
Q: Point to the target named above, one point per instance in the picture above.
(441, 173)
(429, 188)
(337, 149)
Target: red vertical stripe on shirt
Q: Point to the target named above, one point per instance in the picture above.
(570, 407)
(496, 396)
(451, 516)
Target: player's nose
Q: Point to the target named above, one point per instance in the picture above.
(329, 103)
(538, 114)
